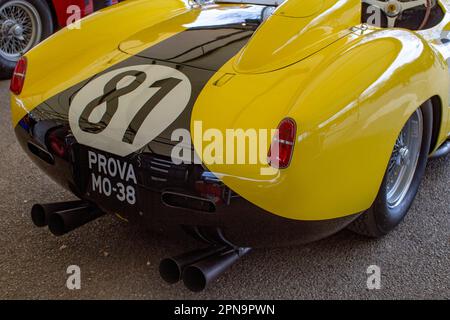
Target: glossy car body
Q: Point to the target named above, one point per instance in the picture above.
(350, 88)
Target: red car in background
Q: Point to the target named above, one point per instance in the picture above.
(25, 23)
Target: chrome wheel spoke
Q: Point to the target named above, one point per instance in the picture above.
(403, 163)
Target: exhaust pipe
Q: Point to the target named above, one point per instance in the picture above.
(442, 151)
(198, 276)
(62, 222)
(171, 269)
(40, 213)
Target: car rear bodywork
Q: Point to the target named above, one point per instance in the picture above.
(349, 88)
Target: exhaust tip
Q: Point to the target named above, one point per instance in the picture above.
(56, 225)
(194, 279)
(169, 271)
(38, 216)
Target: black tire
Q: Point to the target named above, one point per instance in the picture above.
(380, 219)
(47, 27)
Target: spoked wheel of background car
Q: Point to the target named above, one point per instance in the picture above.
(402, 178)
(23, 24)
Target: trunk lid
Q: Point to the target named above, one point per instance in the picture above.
(204, 38)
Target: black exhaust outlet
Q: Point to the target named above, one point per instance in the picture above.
(40, 213)
(198, 276)
(442, 151)
(63, 222)
(171, 269)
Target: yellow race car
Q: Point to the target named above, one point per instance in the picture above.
(242, 123)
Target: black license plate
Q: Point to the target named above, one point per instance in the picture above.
(110, 181)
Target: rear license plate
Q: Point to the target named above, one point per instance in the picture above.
(111, 181)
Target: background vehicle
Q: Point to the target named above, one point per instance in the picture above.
(25, 23)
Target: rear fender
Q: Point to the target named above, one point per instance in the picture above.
(350, 102)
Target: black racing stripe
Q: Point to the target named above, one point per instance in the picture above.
(207, 49)
(198, 52)
(215, 37)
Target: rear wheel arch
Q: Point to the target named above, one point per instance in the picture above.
(436, 103)
(382, 217)
(436, 113)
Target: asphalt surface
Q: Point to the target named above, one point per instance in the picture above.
(121, 261)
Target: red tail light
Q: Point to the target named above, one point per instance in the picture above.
(57, 145)
(18, 77)
(211, 191)
(282, 146)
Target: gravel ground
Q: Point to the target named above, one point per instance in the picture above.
(121, 261)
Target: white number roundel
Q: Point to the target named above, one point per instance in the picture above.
(125, 109)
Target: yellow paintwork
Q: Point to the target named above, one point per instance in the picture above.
(350, 100)
(70, 56)
(347, 121)
(271, 49)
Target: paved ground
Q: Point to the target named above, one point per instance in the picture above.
(121, 261)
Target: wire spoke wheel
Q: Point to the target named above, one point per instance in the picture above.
(20, 28)
(404, 160)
